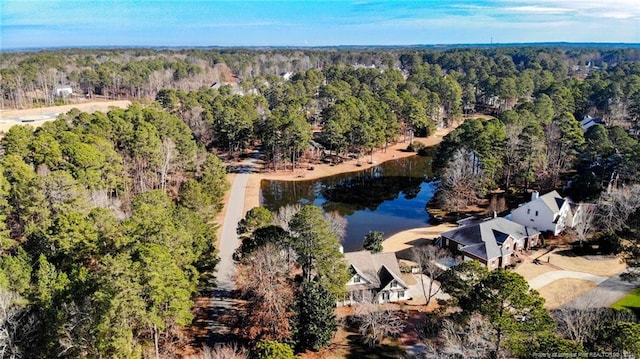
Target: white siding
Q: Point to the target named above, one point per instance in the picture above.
(526, 216)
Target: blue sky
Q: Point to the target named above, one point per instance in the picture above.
(45, 23)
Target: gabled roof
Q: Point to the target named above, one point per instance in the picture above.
(378, 269)
(587, 122)
(484, 239)
(552, 200)
(386, 276)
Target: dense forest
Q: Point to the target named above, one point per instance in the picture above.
(107, 227)
(106, 233)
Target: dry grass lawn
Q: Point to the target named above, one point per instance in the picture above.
(598, 265)
(529, 270)
(564, 291)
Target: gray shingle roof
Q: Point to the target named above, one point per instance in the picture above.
(553, 200)
(378, 269)
(484, 239)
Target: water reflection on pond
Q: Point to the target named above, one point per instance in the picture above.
(388, 198)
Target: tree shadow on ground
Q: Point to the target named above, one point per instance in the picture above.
(635, 310)
(222, 313)
(380, 351)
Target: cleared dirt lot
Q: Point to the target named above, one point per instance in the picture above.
(38, 116)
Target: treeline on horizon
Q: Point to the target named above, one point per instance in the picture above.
(29, 78)
(108, 219)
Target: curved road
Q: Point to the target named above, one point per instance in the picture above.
(608, 291)
(605, 294)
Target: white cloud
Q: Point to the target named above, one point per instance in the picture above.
(534, 9)
(615, 9)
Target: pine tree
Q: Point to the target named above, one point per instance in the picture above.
(316, 320)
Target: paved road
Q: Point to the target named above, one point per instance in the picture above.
(608, 291)
(229, 241)
(223, 305)
(605, 294)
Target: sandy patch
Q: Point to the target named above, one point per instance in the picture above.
(252, 192)
(406, 239)
(9, 118)
(325, 170)
(90, 106)
(563, 291)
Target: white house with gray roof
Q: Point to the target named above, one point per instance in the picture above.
(491, 242)
(549, 212)
(374, 277)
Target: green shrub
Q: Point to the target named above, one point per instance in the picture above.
(269, 349)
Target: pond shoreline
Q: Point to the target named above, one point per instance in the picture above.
(396, 151)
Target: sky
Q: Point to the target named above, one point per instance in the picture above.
(73, 23)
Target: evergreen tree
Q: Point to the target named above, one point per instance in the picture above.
(315, 320)
(373, 241)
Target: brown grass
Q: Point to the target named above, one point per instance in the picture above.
(598, 265)
(529, 270)
(90, 106)
(564, 291)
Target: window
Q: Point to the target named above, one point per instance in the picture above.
(528, 210)
(401, 294)
(394, 284)
(356, 278)
(536, 213)
(385, 296)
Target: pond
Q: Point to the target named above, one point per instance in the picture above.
(389, 198)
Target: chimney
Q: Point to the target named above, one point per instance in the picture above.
(534, 195)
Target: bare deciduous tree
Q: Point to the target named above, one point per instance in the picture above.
(264, 280)
(75, 334)
(338, 224)
(284, 215)
(476, 339)
(427, 258)
(17, 326)
(582, 319)
(616, 205)
(460, 182)
(222, 351)
(377, 322)
(584, 222)
(168, 152)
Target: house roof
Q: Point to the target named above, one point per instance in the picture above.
(552, 200)
(484, 239)
(587, 122)
(378, 269)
